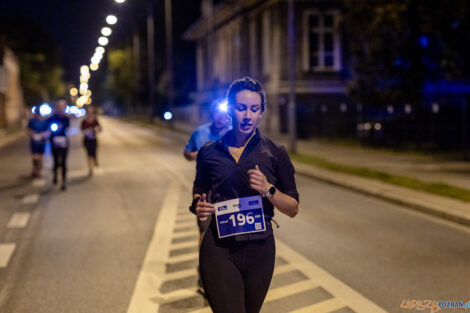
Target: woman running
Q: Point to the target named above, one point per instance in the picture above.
(240, 179)
(90, 126)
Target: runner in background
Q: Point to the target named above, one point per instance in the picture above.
(212, 131)
(57, 125)
(90, 127)
(37, 130)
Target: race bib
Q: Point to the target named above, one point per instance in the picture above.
(37, 137)
(60, 141)
(89, 133)
(239, 216)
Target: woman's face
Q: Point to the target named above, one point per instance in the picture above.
(246, 111)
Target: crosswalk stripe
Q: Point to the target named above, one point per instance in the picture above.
(186, 224)
(184, 257)
(19, 220)
(186, 244)
(326, 306)
(281, 269)
(6, 251)
(181, 274)
(285, 291)
(185, 219)
(30, 198)
(194, 233)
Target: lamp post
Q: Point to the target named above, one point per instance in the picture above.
(151, 59)
(169, 54)
(291, 56)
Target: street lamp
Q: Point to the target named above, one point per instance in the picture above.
(103, 41)
(83, 69)
(106, 31)
(111, 19)
(99, 50)
(94, 66)
(120, 1)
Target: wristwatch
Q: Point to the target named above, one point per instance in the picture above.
(271, 191)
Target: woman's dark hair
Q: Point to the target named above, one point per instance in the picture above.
(246, 83)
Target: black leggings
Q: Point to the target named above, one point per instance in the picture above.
(236, 275)
(60, 160)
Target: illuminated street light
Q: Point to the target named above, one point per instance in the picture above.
(103, 41)
(95, 60)
(83, 86)
(99, 50)
(120, 1)
(73, 91)
(84, 69)
(111, 19)
(88, 93)
(88, 101)
(106, 31)
(94, 67)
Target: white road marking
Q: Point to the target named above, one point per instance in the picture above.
(193, 233)
(183, 257)
(186, 244)
(326, 306)
(153, 269)
(19, 220)
(181, 274)
(30, 199)
(186, 223)
(6, 251)
(281, 269)
(337, 288)
(292, 289)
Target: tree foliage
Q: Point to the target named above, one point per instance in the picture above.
(398, 45)
(119, 83)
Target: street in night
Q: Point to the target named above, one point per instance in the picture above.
(234, 156)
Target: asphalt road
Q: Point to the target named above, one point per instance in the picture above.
(83, 249)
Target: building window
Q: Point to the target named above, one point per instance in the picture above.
(321, 41)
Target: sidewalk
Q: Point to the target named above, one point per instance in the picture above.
(416, 166)
(9, 137)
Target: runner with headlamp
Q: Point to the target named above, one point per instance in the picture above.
(246, 176)
(58, 124)
(211, 131)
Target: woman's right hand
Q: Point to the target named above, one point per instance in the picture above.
(204, 209)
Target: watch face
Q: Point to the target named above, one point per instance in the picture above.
(272, 190)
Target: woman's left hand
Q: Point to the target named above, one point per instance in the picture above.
(258, 181)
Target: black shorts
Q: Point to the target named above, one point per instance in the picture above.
(37, 147)
(90, 145)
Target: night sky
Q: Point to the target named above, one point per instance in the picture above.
(75, 24)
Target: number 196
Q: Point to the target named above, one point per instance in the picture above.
(242, 219)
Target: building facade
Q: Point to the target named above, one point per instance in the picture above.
(11, 95)
(249, 38)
